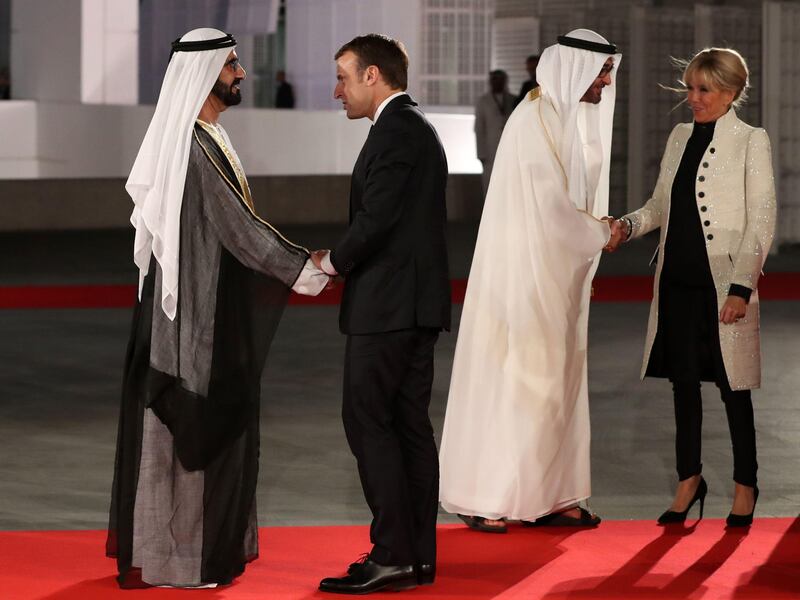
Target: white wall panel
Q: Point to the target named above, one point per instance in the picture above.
(93, 59)
(109, 51)
(46, 50)
(73, 140)
(18, 152)
(316, 30)
(75, 50)
(120, 68)
(18, 124)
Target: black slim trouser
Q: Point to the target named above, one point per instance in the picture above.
(387, 390)
(689, 422)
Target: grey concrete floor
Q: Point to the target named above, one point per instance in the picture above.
(60, 373)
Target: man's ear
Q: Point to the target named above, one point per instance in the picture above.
(373, 75)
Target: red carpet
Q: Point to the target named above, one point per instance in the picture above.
(627, 288)
(621, 559)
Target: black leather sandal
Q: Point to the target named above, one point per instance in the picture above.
(479, 524)
(559, 519)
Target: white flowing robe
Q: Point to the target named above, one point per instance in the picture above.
(516, 434)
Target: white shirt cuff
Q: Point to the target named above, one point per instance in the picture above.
(327, 265)
(311, 280)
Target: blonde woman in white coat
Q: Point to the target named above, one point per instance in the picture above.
(714, 202)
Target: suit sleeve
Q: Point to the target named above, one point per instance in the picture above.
(390, 163)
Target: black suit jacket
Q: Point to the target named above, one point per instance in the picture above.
(394, 254)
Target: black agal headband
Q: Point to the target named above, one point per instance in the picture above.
(587, 45)
(201, 45)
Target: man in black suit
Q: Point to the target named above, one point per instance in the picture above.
(530, 66)
(396, 301)
(284, 97)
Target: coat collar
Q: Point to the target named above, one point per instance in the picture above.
(727, 126)
(726, 123)
(395, 103)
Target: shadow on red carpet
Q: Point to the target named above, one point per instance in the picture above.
(620, 559)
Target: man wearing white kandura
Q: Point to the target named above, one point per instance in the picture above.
(516, 433)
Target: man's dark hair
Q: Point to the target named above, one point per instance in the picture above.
(382, 51)
(532, 57)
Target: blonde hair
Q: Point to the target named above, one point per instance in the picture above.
(720, 68)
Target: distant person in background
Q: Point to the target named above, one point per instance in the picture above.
(5, 84)
(284, 98)
(491, 113)
(530, 65)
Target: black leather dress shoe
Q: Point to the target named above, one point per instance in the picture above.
(426, 574)
(369, 576)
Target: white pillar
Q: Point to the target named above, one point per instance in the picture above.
(110, 52)
(75, 50)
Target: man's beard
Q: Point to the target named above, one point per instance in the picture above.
(225, 92)
(593, 96)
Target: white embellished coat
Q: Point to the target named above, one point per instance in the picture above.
(735, 196)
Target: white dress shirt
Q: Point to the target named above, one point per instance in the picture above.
(311, 280)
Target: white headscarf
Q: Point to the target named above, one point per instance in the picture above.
(158, 175)
(564, 74)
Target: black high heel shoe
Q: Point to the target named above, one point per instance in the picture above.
(743, 520)
(672, 516)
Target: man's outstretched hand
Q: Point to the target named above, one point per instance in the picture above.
(618, 231)
(317, 256)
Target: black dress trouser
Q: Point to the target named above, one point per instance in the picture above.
(689, 422)
(387, 391)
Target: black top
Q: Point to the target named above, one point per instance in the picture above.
(685, 256)
(394, 254)
(526, 87)
(284, 97)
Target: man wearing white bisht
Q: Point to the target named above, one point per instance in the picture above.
(214, 279)
(516, 434)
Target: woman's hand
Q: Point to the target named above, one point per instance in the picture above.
(733, 310)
